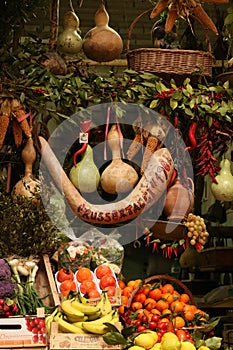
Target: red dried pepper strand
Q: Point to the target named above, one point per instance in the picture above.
(155, 246)
(191, 135)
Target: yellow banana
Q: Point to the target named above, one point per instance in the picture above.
(95, 329)
(100, 321)
(74, 319)
(66, 327)
(86, 309)
(104, 304)
(49, 319)
(95, 316)
(70, 311)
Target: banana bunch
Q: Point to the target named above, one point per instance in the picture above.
(78, 316)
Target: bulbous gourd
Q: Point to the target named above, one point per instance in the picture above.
(85, 174)
(28, 186)
(69, 41)
(179, 201)
(102, 43)
(118, 177)
(223, 189)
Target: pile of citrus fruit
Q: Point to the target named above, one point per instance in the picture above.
(159, 306)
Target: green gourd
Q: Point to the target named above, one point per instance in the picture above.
(223, 189)
(102, 43)
(69, 41)
(85, 174)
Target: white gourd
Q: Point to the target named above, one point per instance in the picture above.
(223, 190)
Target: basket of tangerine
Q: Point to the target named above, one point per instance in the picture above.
(163, 304)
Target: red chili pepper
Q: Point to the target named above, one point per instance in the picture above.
(155, 246)
(191, 135)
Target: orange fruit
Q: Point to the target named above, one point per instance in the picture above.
(136, 305)
(84, 273)
(149, 304)
(103, 270)
(86, 286)
(168, 288)
(64, 274)
(178, 322)
(189, 315)
(110, 291)
(94, 293)
(162, 305)
(141, 297)
(146, 289)
(121, 284)
(127, 291)
(124, 300)
(155, 294)
(156, 312)
(168, 297)
(184, 298)
(166, 312)
(177, 306)
(67, 286)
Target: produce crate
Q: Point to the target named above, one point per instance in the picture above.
(16, 333)
(59, 341)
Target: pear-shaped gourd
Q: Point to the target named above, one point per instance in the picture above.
(223, 189)
(102, 43)
(85, 174)
(118, 177)
(28, 186)
(69, 41)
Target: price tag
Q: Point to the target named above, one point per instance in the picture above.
(83, 137)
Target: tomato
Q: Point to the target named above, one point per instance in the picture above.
(181, 334)
(107, 281)
(103, 270)
(155, 318)
(141, 328)
(144, 319)
(162, 326)
(152, 325)
(65, 274)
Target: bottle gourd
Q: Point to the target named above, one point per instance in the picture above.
(69, 41)
(85, 174)
(118, 176)
(102, 43)
(223, 189)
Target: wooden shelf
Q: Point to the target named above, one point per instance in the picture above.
(166, 230)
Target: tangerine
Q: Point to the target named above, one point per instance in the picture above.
(168, 288)
(149, 304)
(189, 315)
(162, 305)
(178, 322)
(136, 305)
(177, 306)
(155, 293)
(168, 297)
(184, 298)
(127, 291)
(124, 300)
(121, 284)
(84, 273)
(141, 297)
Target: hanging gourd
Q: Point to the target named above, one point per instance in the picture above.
(223, 189)
(69, 41)
(85, 174)
(118, 176)
(28, 186)
(102, 43)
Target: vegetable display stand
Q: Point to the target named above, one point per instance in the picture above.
(77, 341)
(169, 63)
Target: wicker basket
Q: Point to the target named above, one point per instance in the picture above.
(169, 63)
(181, 287)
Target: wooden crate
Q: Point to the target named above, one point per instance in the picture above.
(60, 341)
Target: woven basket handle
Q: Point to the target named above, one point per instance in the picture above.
(167, 278)
(132, 27)
(147, 12)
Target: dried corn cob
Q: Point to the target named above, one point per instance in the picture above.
(151, 146)
(135, 146)
(171, 18)
(200, 13)
(159, 7)
(17, 132)
(18, 111)
(5, 113)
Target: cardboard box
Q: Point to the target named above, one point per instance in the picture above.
(64, 341)
(18, 332)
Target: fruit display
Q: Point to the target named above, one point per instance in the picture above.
(77, 315)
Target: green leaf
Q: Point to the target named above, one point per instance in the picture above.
(154, 104)
(213, 343)
(114, 338)
(147, 76)
(173, 104)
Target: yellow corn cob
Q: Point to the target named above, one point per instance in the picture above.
(17, 132)
(200, 13)
(5, 113)
(151, 146)
(135, 146)
(18, 111)
(159, 7)
(171, 18)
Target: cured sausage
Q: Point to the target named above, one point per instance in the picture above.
(147, 192)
